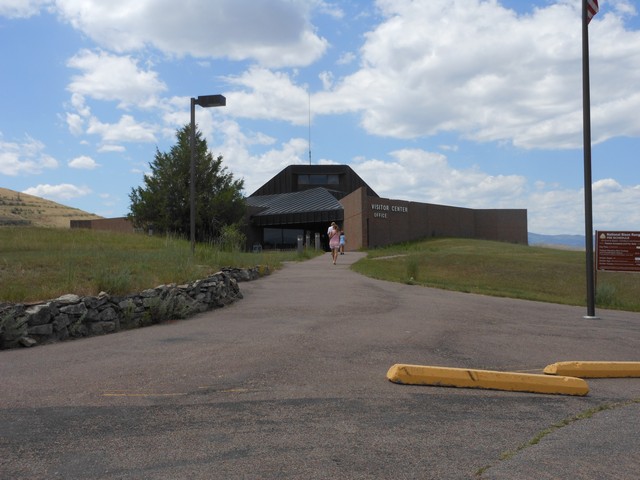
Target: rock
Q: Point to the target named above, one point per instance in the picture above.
(39, 314)
(45, 330)
(72, 316)
(77, 309)
(67, 299)
(27, 342)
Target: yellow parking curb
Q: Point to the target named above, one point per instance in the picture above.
(594, 369)
(468, 378)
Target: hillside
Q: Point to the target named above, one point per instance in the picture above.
(576, 242)
(20, 209)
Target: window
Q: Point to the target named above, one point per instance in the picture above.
(281, 238)
(318, 179)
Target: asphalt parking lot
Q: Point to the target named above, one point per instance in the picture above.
(290, 383)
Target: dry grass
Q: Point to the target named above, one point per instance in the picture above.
(38, 264)
(501, 269)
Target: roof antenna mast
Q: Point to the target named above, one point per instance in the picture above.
(309, 126)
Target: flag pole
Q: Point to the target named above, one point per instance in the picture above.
(588, 200)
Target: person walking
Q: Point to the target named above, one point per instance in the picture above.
(334, 241)
(342, 241)
(329, 230)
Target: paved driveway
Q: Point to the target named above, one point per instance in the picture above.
(290, 383)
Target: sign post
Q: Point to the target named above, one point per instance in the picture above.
(589, 9)
(618, 251)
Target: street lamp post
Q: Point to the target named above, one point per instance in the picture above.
(205, 102)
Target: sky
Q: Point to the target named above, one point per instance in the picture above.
(469, 103)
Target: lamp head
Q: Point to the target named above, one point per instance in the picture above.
(206, 101)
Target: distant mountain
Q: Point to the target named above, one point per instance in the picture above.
(567, 241)
(20, 209)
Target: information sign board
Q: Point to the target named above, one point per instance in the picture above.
(618, 251)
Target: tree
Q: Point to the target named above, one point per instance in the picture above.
(163, 203)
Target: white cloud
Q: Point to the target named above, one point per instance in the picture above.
(421, 176)
(243, 151)
(21, 8)
(418, 175)
(448, 148)
(330, 9)
(327, 79)
(606, 185)
(624, 7)
(78, 102)
(444, 66)
(472, 68)
(24, 158)
(271, 162)
(63, 191)
(273, 32)
(84, 163)
(75, 123)
(615, 206)
(559, 211)
(126, 130)
(112, 78)
(556, 212)
(268, 95)
(346, 58)
(111, 148)
(429, 67)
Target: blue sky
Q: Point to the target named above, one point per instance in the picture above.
(460, 102)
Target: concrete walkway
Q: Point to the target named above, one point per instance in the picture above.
(290, 383)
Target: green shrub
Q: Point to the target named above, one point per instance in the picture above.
(606, 295)
(114, 281)
(231, 239)
(413, 269)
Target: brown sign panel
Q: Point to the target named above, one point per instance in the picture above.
(618, 251)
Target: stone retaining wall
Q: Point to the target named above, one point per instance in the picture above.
(72, 316)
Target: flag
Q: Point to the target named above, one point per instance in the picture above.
(592, 9)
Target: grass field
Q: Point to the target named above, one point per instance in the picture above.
(43, 263)
(501, 269)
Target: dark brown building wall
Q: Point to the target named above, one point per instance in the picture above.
(444, 221)
(504, 225)
(355, 222)
(388, 221)
(375, 222)
(395, 221)
(121, 224)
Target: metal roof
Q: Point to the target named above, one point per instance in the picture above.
(307, 206)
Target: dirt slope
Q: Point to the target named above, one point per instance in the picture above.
(20, 209)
